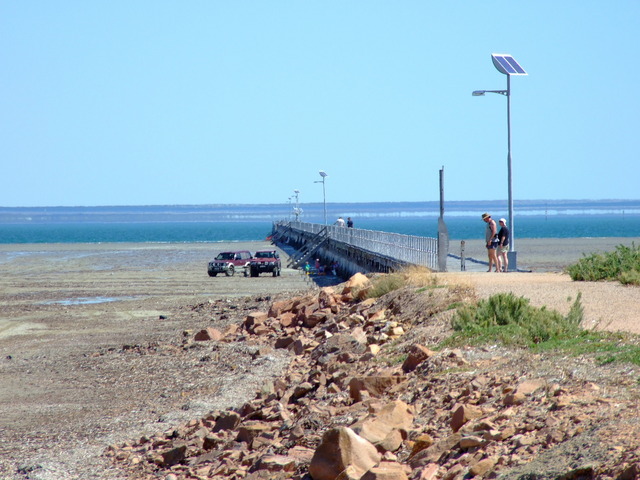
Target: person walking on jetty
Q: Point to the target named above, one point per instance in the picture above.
(349, 222)
(491, 240)
(340, 222)
(503, 246)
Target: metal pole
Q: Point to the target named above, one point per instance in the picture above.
(324, 201)
(512, 255)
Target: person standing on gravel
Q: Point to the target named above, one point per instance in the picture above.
(503, 246)
(491, 240)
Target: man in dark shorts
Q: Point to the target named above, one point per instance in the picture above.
(491, 241)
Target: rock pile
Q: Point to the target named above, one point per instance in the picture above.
(363, 398)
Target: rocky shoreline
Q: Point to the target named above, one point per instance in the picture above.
(364, 398)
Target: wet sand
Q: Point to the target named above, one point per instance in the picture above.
(52, 286)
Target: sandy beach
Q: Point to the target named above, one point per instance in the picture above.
(64, 307)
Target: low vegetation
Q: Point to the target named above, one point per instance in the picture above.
(513, 321)
(622, 265)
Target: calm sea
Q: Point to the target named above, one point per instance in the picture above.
(546, 220)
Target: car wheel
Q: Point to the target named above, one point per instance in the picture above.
(254, 272)
(231, 271)
(212, 274)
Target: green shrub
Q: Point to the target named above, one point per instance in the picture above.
(631, 277)
(514, 321)
(617, 265)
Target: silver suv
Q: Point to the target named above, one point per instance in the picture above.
(228, 263)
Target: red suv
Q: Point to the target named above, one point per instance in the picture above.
(265, 261)
(228, 263)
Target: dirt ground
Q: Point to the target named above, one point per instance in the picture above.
(86, 332)
(92, 347)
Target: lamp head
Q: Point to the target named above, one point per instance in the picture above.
(296, 191)
(478, 93)
(323, 173)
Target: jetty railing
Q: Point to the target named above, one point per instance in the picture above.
(411, 249)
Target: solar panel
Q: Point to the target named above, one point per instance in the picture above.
(507, 64)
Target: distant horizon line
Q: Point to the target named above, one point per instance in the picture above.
(435, 202)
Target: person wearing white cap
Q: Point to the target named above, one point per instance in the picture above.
(503, 246)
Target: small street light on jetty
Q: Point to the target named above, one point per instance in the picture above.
(507, 65)
(324, 194)
(297, 209)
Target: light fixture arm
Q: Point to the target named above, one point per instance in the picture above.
(480, 93)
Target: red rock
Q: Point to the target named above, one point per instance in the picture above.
(284, 342)
(483, 466)
(249, 430)
(529, 386)
(326, 297)
(315, 318)
(387, 428)
(463, 414)
(226, 421)
(207, 334)
(302, 454)
(435, 451)
(430, 472)
(420, 443)
(287, 319)
(173, 456)
(342, 454)
(278, 308)
(375, 385)
(255, 317)
(387, 471)
(417, 355)
(276, 463)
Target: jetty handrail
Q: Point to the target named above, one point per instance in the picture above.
(406, 248)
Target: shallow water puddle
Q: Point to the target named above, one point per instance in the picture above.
(86, 300)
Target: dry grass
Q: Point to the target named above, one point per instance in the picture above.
(410, 276)
(419, 277)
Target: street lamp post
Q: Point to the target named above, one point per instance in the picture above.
(297, 210)
(507, 65)
(324, 194)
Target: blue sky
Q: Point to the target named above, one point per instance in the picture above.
(208, 102)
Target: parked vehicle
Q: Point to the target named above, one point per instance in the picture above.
(265, 261)
(229, 262)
